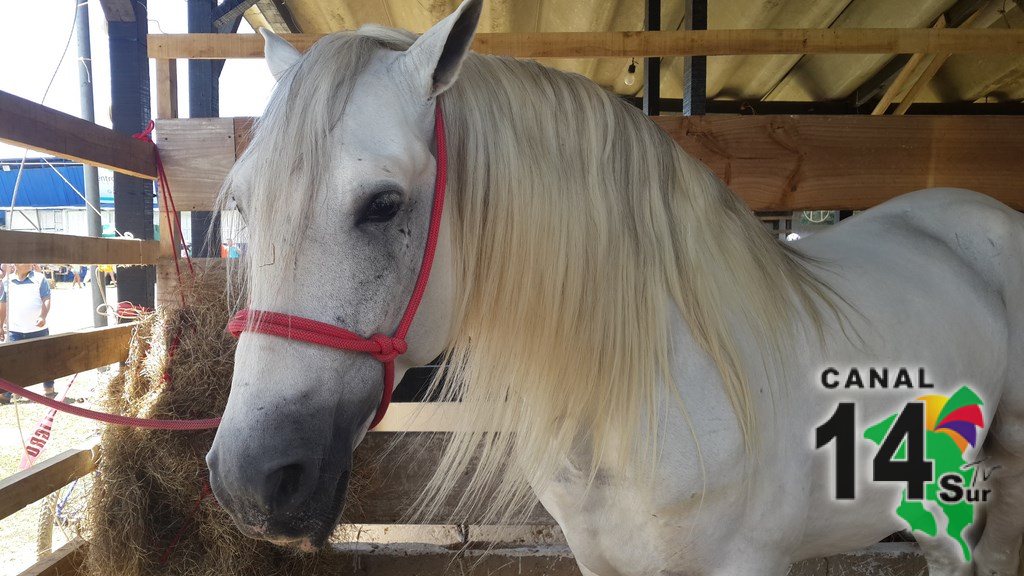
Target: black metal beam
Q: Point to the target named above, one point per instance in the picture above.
(652, 66)
(840, 107)
(133, 197)
(695, 68)
(203, 102)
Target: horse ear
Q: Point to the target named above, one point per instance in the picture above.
(436, 56)
(279, 53)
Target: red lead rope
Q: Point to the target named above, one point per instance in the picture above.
(382, 347)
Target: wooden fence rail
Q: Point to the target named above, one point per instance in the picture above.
(34, 126)
(649, 44)
(44, 248)
(29, 362)
(27, 486)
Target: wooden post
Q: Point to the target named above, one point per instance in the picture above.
(167, 108)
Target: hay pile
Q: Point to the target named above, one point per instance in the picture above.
(149, 512)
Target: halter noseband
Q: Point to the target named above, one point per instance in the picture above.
(382, 347)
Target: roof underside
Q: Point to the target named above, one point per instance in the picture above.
(814, 78)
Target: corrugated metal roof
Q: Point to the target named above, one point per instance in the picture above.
(964, 78)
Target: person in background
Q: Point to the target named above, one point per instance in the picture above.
(76, 273)
(24, 306)
(233, 251)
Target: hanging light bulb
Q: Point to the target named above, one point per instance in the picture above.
(630, 77)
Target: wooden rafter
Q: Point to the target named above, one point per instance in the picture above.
(649, 44)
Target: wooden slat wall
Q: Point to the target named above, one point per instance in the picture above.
(27, 486)
(43, 248)
(34, 126)
(29, 362)
(648, 44)
(775, 163)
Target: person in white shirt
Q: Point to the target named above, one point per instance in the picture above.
(24, 306)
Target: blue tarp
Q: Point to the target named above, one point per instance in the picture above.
(41, 187)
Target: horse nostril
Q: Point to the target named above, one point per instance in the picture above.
(284, 487)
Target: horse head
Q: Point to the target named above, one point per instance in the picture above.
(336, 191)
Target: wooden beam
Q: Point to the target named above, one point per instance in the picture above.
(854, 162)
(40, 248)
(848, 162)
(27, 486)
(649, 44)
(29, 362)
(935, 63)
(905, 73)
(65, 561)
(166, 88)
(277, 14)
(25, 123)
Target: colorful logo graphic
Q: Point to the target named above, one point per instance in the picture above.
(923, 446)
(951, 425)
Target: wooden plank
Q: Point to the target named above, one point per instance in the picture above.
(851, 162)
(399, 473)
(25, 123)
(27, 486)
(479, 559)
(936, 62)
(778, 163)
(197, 154)
(649, 44)
(65, 561)
(166, 88)
(29, 362)
(42, 248)
(905, 73)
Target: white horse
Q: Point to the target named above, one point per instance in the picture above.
(632, 343)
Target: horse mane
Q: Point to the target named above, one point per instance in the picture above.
(578, 227)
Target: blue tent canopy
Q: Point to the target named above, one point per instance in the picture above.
(41, 187)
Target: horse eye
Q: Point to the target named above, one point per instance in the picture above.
(382, 207)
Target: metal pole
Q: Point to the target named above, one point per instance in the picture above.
(695, 68)
(92, 179)
(652, 66)
(203, 102)
(130, 101)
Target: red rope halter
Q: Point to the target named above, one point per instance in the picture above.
(382, 347)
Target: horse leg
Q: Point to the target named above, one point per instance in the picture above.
(998, 553)
(944, 556)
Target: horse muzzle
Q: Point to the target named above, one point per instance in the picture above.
(290, 496)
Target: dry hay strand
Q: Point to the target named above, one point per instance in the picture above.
(151, 512)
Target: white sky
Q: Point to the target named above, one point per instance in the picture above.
(32, 38)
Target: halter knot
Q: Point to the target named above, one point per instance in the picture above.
(390, 348)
